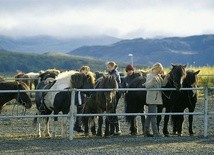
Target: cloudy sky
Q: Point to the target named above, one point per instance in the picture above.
(118, 18)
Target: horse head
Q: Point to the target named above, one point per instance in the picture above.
(177, 75)
(108, 82)
(22, 97)
(82, 81)
(191, 78)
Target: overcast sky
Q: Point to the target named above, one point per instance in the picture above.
(118, 18)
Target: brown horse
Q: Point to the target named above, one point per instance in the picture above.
(21, 97)
(100, 102)
(23, 75)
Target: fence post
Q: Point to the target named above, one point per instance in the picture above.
(205, 111)
(71, 122)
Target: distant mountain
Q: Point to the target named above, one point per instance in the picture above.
(28, 62)
(41, 44)
(192, 50)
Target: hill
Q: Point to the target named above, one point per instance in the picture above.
(192, 50)
(27, 62)
(42, 44)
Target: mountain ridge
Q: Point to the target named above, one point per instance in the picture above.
(192, 50)
(43, 43)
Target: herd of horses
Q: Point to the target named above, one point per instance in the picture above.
(96, 102)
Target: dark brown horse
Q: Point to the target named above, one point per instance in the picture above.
(177, 76)
(185, 99)
(100, 102)
(136, 100)
(21, 97)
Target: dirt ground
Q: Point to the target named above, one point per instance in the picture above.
(18, 136)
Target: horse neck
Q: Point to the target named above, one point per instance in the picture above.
(6, 97)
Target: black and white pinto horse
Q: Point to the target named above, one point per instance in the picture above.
(59, 101)
(136, 100)
(185, 99)
(21, 97)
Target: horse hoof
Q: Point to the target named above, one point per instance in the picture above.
(166, 135)
(94, 133)
(99, 134)
(192, 133)
(133, 133)
(179, 134)
(174, 133)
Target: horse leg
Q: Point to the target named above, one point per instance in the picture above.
(179, 125)
(93, 126)
(63, 130)
(63, 124)
(38, 121)
(46, 132)
(107, 126)
(174, 124)
(190, 118)
(143, 122)
(100, 123)
(166, 122)
(86, 125)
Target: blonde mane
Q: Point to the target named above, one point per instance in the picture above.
(63, 80)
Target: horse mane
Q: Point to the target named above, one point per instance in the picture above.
(137, 82)
(23, 85)
(108, 81)
(56, 71)
(92, 77)
(21, 75)
(63, 80)
(1, 79)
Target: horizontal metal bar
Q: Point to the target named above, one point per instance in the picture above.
(21, 78)
(138, 114)
(95, 90)
(205, 75)
(104, 114)
(32, 116)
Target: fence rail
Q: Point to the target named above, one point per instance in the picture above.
(72, 114)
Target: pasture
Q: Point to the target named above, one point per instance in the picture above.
(18, 136)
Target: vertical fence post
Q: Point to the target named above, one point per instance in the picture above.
(71, 122)
(205, 111)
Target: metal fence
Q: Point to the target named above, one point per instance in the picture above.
(73, 114)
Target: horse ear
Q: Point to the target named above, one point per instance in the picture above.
(173, 65)
(197, 72)
(184, 66)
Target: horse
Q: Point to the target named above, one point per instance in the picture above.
(50, 73)
(59, 101)
(134, 103)
(100, 102)
(23, 75)
(185, 99)
(177, 76)
(21, 97)
(136, 100)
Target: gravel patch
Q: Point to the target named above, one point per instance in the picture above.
(17, 136)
